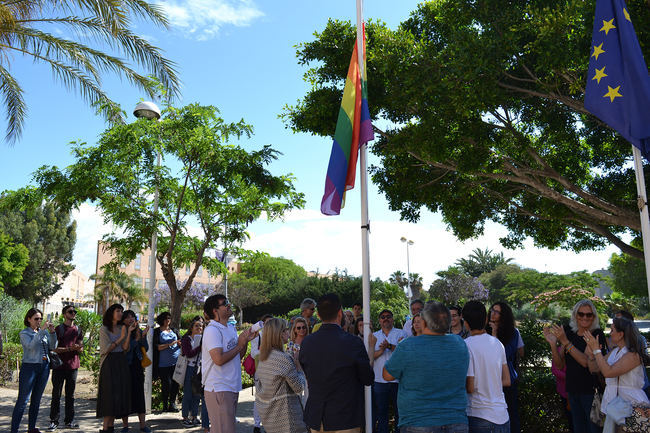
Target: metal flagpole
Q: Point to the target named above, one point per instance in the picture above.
(643, 209)
(365, 223)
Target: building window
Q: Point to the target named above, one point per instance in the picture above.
(138, 262)
(122, 265)
(147, 281)
(137, 281)
(200, 271)
(187, 270)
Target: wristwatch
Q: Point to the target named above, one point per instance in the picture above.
(597, 351)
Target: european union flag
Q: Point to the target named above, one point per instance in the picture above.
(618, 84)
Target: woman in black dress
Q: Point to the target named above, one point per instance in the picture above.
(114, 391)
(134, 359)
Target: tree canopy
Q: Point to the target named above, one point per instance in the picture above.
(210, 189)
(13, 261)
(485, 121)
(49, 236)
(69, 35)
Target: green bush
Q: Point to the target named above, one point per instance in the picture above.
(13, 354)
(13, 315)
(536, 350)
(90, 323)
(540, 406)
(187, 316)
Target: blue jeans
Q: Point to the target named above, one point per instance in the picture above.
(448, 428)
(205, 419)
(31, 381)
(480, 425)
(384, 394)
(190, 403)
(580, 409)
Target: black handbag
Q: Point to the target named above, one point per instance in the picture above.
(197, 385)
(55, 360)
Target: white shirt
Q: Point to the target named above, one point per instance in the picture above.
(486, 360)
(394, 336)
(226, 377)
(196, 341)
(408, 327)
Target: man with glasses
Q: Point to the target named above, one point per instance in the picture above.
(70, 340)
(384, 392)
(307, 308)
(221, 356)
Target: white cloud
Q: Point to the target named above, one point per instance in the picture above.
(202, 19)
(90, 229)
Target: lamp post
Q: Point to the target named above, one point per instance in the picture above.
(149, 110)
(408, 270)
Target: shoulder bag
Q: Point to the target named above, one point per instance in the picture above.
(180, 369)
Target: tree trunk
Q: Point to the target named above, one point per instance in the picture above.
(177, 297)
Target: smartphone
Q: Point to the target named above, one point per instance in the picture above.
(49, 317)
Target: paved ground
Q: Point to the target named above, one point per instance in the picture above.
(85, 412)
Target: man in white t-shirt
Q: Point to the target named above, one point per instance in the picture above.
(384, 392)
(487, 374)
(220, 364)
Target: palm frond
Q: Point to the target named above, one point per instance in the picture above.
(12, 95)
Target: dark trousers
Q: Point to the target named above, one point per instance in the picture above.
(70, 379)
(384, 395)
(31, 381)
(580, 409)
(169, 386)
(511, 394)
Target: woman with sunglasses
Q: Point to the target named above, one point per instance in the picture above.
(279, 382)
(581, 383)
(623, 366)
(299, 331)
(35, 368)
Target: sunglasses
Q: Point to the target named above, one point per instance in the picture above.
(588, 315)
(38, 318)
(385, 317)
(225, 304)
(300, 327)
(495, 311)
(72, 311)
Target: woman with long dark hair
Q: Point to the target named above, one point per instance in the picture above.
(114, 390)
(35, 367)
(190, 348)
(134, 359)
(168, 346)
(581, 383)
(502, 326)
(623, 366)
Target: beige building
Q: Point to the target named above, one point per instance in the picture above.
(75, 290)
(140, 269)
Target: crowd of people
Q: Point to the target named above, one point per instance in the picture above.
(450, 369)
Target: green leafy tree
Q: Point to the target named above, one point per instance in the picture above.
(244, 292)
(483, 103)
(205, 181)
(629, 277)
(13, 261)
(29, 29)
(49, 236)
(455, 287)
(481, 261)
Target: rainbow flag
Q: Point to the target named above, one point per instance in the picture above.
(353, 128)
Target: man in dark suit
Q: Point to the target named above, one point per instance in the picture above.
(337, 367)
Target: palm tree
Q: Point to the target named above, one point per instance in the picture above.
(78, 65)
(482, 261)
(132, 292)
(109, 286)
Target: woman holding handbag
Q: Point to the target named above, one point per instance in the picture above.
(168, 346)
(134, 359)
(623, 366)
(190, 348)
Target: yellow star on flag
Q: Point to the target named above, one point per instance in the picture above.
(627, 15)
(607, 26)
(598, 50)
(612, 93)
(600, 73)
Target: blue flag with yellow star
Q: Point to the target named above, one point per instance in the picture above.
(618, 84)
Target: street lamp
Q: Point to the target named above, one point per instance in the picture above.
(408, 269)
(149, 110)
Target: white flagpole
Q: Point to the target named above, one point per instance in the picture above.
(643, 209)
(365, 224)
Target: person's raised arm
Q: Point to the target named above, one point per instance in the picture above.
(219, 357)
(626, 363)
(557, 352)
(469, 384)
(570, 349)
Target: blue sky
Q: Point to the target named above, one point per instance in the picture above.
(239, 55)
